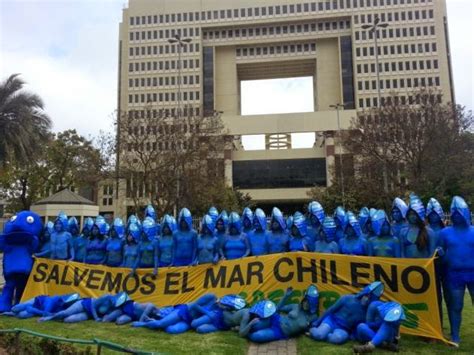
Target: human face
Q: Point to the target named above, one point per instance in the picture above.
(396, 215)
(294, 231)
(58, 226)
(275, 225)
(412, 217)
(247, 223)
(385, 229)
(314, 220)
(350, 232)
(434, 219)
(183, 225)
(256, 224)
(166, 230)
(95, 231)
(220, 226)
(457, 219)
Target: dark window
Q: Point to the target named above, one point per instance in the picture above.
(208, 79)
(347, 72)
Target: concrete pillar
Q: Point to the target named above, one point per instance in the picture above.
(330, 158)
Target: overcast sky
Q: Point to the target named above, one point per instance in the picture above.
(67, 52)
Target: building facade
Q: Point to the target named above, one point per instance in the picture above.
(233, 41)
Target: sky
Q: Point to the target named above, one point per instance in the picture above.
(67, 50)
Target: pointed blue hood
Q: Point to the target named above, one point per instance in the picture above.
(289, 222)
(316, 209)
(62, 218)
(101, 224)
(263, 309)
(300, 222)
(261, 218)
(374, 290)
(49, 227)
(417, 206)
(340, 217)
(214, 213)
(329, 228)
(311, 297)
(354, 223)
(434, 206)
(135, 231)
(234, 221)
(378, 220)
(459, 205)
(391, 312)
(278, 216)
(72, 225)
(247, 214)
(185, 215)
(401, 205)
(364, 216)
(150, 228)
(234, 302)
(119, 227)
(224, 217)
(168, 221)
(88, 223)
(150, 212)
(207, 223)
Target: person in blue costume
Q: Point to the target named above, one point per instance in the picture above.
(214, 213)
(207, 248)
(289, 223)
(61, 240)
(236, 244)
(80, 242)
(258, 237)
(96, 245)
(278, 239)
(221, 227)
(228, 313)
(125, 310)
(298, 232)
(43, 305)
(247, 220)
(316, 217)
(326, 239)
(399, 214)
(18, 243)
(132, 219)
(353, 243)
(340, 218)
(268, 322)
(84, 309)
(381, 328)
(417, 240)
(45, 241)
(364, 222)
(185, 240)
(148, 247)
(73, 227)
(383, 244)
(166, 241)
(457, 244)
(130, 248)
(340, 320)
(179, 319)
(114, 247)
(150, 212)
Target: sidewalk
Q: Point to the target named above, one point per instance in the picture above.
(281, 347)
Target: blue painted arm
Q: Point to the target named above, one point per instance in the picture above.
(71, 249)
(285, 298)
(44, 252)
(137, 261)
(156, 258)
(247, 245)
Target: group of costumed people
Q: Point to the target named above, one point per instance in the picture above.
(408, 231)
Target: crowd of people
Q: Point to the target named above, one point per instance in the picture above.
(408, 231)
(362, 316)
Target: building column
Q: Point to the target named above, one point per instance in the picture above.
(330, 158)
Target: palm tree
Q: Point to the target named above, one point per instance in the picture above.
(24, 126)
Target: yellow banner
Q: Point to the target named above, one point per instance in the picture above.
(411, 282)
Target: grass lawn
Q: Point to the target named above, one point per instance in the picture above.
(223, 342)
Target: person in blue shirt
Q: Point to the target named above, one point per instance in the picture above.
(316, 217)
(236, 244)
(148, 247)
(96, 245)
(114, 247)
(399, 214)
(364, 222)
(80, 242)
(214, 214)
(166, 241)
(326, 240)
(340, 219)
(383, 244)
(221, 227)
(381, 328)
(130, 248)
(41, 306)
(340, 321)
(258, 237)
(298, 233)
(247, 220)
(417, 240)
(45, 241)
(278, 239)
(352, 243)
(185, 240)
(457, 248)
(61, 240)
(207, 248)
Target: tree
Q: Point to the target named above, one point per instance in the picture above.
(24, 126)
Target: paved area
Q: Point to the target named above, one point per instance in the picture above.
(282, 347)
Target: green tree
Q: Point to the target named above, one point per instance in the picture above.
(24, 126)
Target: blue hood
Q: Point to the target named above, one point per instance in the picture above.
(263, 309)
(234, 302)
(354, 223)
(70, 298)
(120, 299)
(224, 217)
(434, 206)
(391, 312)
(401, 205)
(207, 223)
(278, 216)
(88, 223)
(329, 228)
(247, 214)
(135, 231)
(458, 204)
(62, 218)
(374, 290)
(23, 226)
(234, 221)
(119, 227)
(150, 212)
(340, 217)
(311, 296)
(289, 222)
(185, 215)
(49, 227)
(300, 222)
(132, 219)
(364, 216)
(168, 221)
(101, 224)
(317, 210)
(72, 225)
(150, 228)
(417, 206)
(261, 218)
(378, 220)
(214, 213)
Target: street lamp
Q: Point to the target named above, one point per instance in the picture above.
(337, 107)
(373, 28)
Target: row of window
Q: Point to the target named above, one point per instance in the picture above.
(399, 83)
(370, 102)
(164, 49)
(270, 50)
(163, 65)
(314, 6)
(395, 16)
(277, 30)
(413, 48)
(163, 113)
(160, 146)
(163, 34)
(397, 33)
(162, 97)
(163, 81)
(388, 67)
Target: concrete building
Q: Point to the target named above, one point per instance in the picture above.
(233, 41)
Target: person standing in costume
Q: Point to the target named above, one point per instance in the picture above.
(258, 237)
(364, 222)
(221, 228)
(383, 243)
(148, 247)
(341, 219)
(352, 243)
(45, 241)
(130, 249)
(208, 251)
(278, 240)
(326, 240)
(166, 241)
(298, 234)
(114, 248)
(399, 214)
(61, 240)
(316, 217)
(214, 214)
(247, 220)
(185, 240)
(236, 244)
(97, 243)
(80, 242)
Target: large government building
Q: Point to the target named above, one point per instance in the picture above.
(239, 40)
